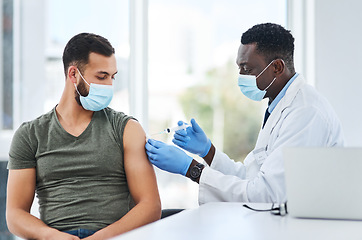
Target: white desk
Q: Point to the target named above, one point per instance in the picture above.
(224, 221)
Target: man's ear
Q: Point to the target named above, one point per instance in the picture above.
(71, 74)
(279, 66)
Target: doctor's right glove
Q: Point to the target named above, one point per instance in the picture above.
(167, 157)
(193, 139)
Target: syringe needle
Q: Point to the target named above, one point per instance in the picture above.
(174, 129)
(157, 133)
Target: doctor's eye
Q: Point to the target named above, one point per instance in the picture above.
(247, 70)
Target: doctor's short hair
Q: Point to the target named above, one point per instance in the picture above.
(272, 41)
(77, 50)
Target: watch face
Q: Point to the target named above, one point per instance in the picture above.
(195, 172)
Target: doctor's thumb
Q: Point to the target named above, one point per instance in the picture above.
(196, 126)
(180, 123)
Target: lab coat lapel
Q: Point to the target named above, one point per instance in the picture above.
(274, 117)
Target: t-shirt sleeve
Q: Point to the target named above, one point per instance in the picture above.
(119, 121)
(22, 153)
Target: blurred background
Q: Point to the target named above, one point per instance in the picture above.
(176, 61)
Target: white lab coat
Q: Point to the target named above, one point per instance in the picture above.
(302, 118)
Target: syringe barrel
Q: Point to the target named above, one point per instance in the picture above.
(174, 129)
(183, 126)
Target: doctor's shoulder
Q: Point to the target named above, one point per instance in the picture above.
(309, 98)
(312, 107)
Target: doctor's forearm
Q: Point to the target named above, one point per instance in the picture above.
(210, 155)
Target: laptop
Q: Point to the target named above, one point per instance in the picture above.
(324, 182)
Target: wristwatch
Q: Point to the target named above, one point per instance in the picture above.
(196, 171)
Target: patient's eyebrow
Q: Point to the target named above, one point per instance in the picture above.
(106, 73)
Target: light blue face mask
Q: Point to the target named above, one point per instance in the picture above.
(99, 96)
(247, 85)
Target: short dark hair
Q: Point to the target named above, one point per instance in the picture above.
(272, 41)
(81, 45)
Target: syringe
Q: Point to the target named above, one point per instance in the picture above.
(173, 129)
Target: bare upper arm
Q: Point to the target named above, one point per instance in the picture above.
(140, 174)
(21, 188)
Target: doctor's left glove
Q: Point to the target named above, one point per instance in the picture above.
(167, 157)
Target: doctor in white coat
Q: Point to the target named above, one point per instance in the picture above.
(297, 115)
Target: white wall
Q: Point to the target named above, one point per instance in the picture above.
(338, 61)
(331, 39)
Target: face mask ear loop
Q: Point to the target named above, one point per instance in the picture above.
(265, 69)
(270, 84)
(83, 77)
(83, 80)
(76, 89)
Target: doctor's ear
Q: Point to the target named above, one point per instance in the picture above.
(279, 66)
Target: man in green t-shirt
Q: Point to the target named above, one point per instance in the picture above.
(85, 162)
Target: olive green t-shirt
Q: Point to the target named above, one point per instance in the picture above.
(80, 181)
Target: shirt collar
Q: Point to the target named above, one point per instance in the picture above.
(281, 94)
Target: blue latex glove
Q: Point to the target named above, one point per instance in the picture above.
(193, 139)
(167, 157)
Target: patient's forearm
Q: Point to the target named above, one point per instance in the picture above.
(23, 224)
(143, 213)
